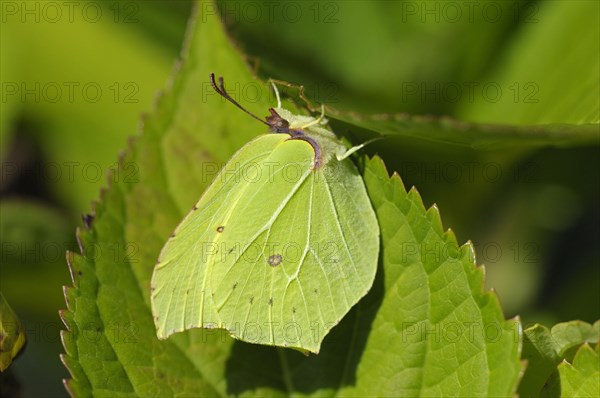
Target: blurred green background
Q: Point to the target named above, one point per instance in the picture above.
(76, 77)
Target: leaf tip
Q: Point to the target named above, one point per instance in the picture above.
(79, 235)
(70, 262)
(433, 215)
(67, 383)
(470, 251)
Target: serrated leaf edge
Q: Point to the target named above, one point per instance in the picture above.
(467, 251)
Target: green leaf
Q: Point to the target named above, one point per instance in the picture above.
(539, 350)
(567, 335)
(427, 327)
(12, 335)
(447, 130)
(436, 332)
(475, 135)
(544, 350)
(580, 379)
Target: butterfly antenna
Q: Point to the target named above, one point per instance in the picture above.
(276, 93)
(220, 88)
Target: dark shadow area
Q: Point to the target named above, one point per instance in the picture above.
(571, 271)
(9, 385)
(25, 170)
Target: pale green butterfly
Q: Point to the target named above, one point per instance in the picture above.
(279, 247)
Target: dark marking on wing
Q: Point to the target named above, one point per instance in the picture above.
(220, 228)
(275, 260)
